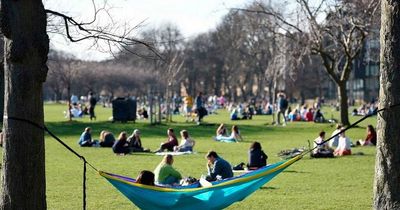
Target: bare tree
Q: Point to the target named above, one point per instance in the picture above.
(23, 24)
(338, 39)
(387, 164)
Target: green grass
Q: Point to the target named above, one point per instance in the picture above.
(339, 183)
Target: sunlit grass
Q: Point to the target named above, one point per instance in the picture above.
(339, 183)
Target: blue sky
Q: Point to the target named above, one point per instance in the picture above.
(191, 16)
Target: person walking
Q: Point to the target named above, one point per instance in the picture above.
(92, 104)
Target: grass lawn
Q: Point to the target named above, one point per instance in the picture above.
(339, 183)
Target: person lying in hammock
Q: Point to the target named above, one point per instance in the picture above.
(217, 167)
(165, 174)
(234, 137)
(145, 177)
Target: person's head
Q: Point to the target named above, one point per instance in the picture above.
(145, 177)
(322, 134)
(136, 132)
(102, 135)
(88, 130)
(200, 93)
(212, 156)
(235, 129)
(184, 134)
(168, 159)
(338, 126)
(370, 128)
(343, 134)
(170, 131)
(255, 146)
(122, 136)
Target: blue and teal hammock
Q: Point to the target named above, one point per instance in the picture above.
(221, 194)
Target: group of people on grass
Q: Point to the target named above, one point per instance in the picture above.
(223, 136)
(217, 168)
(125, 144)
(340, 144)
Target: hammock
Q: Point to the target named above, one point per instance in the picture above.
(219, 195)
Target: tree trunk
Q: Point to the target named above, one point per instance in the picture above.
(344, 106)
(23, 24)
(1, 84)
(387, 164)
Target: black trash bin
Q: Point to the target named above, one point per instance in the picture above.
(124, 109)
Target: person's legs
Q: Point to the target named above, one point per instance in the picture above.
(170, 180)
(278, 117)
(91, 112)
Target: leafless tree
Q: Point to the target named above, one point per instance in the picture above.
(338, 39)
(23, 24)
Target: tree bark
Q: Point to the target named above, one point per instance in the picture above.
(23, 24)
(387, 163)
(344, 106)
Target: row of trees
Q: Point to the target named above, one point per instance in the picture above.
(23, 24)
(255, 51)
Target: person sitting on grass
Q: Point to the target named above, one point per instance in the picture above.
(121, 146)
(145, 177)
(257, 157)
(135, 143)
(334, 142)
(165, 174)
(221, 130)
(171, 142)
(106, 138)
(86, 138)
(234, 137)
(344, 145)
(187, 143)
(217, 167)
(370, 140)
(322, 148)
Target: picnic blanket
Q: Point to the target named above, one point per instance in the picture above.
(175, 153)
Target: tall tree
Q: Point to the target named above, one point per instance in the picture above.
(337, 39)
(387, 164)
(23, 24)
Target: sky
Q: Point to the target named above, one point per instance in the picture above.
(192, 17)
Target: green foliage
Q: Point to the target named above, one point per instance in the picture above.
(339, 183)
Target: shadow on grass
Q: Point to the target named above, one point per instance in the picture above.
(293, 171)
(268, 188)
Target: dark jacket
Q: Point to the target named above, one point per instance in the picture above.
(120, 147)
(257, 158)
(222, 168)
(109, 140)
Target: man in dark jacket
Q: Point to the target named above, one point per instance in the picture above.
(217, 167)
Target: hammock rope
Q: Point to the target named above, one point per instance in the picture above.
(375, 112)
(85, 162)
